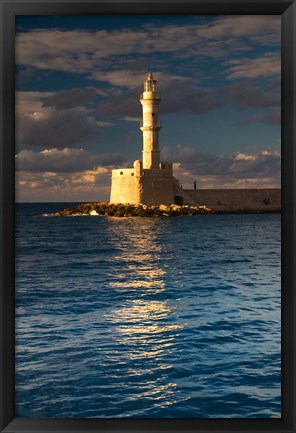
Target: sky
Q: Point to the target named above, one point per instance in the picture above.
(78, 82)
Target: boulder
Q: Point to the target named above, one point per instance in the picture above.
(128, 210)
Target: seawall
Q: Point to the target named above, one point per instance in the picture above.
(238, 200)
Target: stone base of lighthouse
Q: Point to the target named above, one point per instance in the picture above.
(147, 186)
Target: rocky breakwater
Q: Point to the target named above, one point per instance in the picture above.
(131, 210)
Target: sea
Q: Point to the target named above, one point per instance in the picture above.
(147, 317)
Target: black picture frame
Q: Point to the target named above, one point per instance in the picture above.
(287, 10)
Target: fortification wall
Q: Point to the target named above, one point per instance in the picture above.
(238, 200)
(125, 187)
(147, 186)
(157, 190)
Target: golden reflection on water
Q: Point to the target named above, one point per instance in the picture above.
(143, 319)
(146, 278)
(144, 324)
(141, 252)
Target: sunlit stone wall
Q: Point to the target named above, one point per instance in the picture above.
(126, 186)
(236, 200)
(147, 186)
(157, 185)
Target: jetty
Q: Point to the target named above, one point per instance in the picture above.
(132, 210)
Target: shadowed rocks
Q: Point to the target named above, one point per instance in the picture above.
(132, 210)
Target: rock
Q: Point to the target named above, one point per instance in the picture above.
(131, 210)
(176, 207)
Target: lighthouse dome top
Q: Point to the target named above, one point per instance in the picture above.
(150, 85)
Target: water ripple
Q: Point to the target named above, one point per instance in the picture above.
(147, 318)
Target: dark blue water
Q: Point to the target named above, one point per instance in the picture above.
(165, 317)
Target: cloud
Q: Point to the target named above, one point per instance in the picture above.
(268, 65)
(243, 26)
(29, 102)
(88, 185)
(50, 128)
(184, 96)
(177, 95)
(74, 174)
(264, 164)
(83, 51)
(127, 78)
(65, 160)
(250, 94)
(133, 79)
(46, 119)
(70, 98)
(273, 118)
(225, 171)
(103, 55)
(64, 175)
(181, 95)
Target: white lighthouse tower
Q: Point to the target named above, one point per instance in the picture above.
(150, 125)
(149, 181)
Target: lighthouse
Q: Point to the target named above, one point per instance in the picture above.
(150, 125)
(149, 181)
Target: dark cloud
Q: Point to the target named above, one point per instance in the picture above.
(196, 160)
(184, 96)
(70, 98)
(65, 160)
(250, 94)
(238, 165)
(272, 118)
(177, 96)
(125, 104)
(71, 127)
